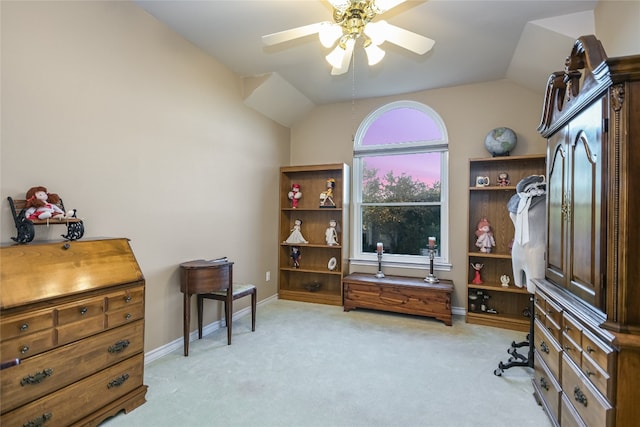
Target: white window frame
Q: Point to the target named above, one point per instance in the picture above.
(358, 257)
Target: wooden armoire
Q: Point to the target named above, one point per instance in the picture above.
(587, 308)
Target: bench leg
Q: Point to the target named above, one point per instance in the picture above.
(254, 297)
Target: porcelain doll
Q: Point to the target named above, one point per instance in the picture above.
(294, 195)
(296, 235)
(485, 240)
(331, 235)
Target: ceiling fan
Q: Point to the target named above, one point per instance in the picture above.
(353, 21)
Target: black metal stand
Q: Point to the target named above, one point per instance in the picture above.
(516, 358)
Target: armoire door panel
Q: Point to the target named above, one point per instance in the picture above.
(556, 188)
(586, 200)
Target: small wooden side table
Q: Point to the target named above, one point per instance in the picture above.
(202, 277)
(408, 295)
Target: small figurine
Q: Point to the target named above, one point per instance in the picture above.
(331, 235)
(296, 235)
(326, 197)
(503, 179)
(484, 234)
(295, 256)
(504, 280)
(294, 195)
(477, 280)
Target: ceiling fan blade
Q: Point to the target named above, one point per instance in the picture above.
(407, 39)
(293, 33)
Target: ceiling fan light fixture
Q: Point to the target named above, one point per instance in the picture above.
(374, 54)
(347, 52)
(336, 56)
(329, 33)
(376, 32)
(340, 5)
(381, 6)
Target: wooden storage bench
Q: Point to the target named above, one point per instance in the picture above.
(408, 295)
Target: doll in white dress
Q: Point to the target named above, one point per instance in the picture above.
(296, 235)
(331, 235)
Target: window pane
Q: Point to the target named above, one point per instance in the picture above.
(401, 178)
(402, 125)
(402, 229)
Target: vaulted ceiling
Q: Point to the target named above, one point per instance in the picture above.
(476, 41)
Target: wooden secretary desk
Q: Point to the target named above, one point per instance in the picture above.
(587, 308)
(72, 342)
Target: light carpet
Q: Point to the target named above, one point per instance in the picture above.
(316, 365)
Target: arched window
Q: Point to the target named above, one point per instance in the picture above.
(400, 189)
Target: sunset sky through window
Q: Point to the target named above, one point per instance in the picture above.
(404, 125)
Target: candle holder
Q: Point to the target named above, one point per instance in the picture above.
(379, 274)
(431, 278)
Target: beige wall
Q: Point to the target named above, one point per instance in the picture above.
(146, 136)
(469, 113)
(617, 26)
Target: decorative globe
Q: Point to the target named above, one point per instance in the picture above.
(500, 141)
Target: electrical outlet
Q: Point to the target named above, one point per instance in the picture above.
(267, 276)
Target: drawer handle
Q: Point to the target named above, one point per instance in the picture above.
(544, 347)
(588, 372)
(579, 396)
(37, 378)
(544, 384)
(127, 298)
(83, 311)
(37, 422)
(24, 349)
(590, 350)
(119, 347)
(567, 328)
(568, 348)
(118, 381)
(127, 316)
(24, 327)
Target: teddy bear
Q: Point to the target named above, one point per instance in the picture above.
(44, 205)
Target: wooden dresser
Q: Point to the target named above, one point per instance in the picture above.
(587, 308)
(72, 332)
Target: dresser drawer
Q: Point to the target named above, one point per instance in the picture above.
(124, 315)
(568, 415)
(76, 401)
(600, 379)
(23, 324)
(592, 407)
(80, 310)
(554, 313)
(75, 331)
(48, 372)
(548, 348)
(572, 336)
(547, 386)
(27, 346)
(602, 354)
(125, 298)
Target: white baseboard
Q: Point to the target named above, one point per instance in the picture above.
(178, 343)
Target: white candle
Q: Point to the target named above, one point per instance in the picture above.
(432, 242)
(379, 246)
